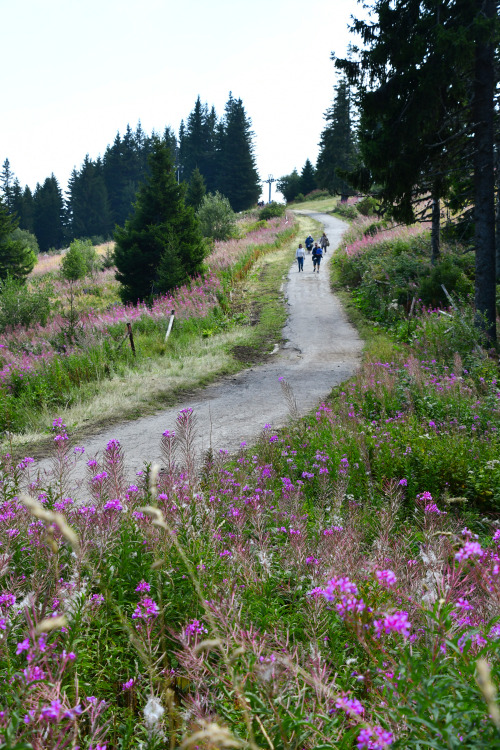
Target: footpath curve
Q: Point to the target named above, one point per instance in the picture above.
(321, 350)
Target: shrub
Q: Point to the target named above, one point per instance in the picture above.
(346, 211)
(367, 206)
(22, 306)
(216, 217)
(27, 238)
(74, 262)
(272, 210)
(448, 274)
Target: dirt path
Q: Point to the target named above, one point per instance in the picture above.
(322, 349)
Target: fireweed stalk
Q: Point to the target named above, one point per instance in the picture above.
(262, 597)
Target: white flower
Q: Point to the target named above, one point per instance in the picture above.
(153, 711)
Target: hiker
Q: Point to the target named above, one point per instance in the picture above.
(300, 255)
(309, 243)
(324, 242)
(317, 254)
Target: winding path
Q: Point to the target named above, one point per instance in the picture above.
(322, 349)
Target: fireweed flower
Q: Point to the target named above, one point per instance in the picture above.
(385, 577)
(113, 505)
(468, 551)
(143, 586)
(374, 738)
(146, 609)
(396, 622)
(193, 628)
(350, 706)
(129, 684)
(337, 586)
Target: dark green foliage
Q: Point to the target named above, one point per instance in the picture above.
(7, 185)
(338, 144)
(447, 274)
(308, 181)
(197, 145)
(17, 259)
(367, 206)
(271, 210)
(290, 186)
(48, 211)
(196, 190)
(88, 201)
(161, 244)
(21, 305)
(237, 175)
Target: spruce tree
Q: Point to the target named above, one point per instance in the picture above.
(48, 208)
(338, 144)
(17, 259)
(6, 184)
(238, 179)
(308, 181)
(88, 203)
(196, 190)
(160, 245)
(425, 81)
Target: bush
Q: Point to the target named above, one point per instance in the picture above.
(367, 206)
(448, 274)
(27, 238)
(74, 264)
(272, 210)
(216, 217)
(346, 211)
(22, 306)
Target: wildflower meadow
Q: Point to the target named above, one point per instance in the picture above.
(44, 366)
(336, 585)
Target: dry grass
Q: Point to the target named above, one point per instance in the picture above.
(320, 206)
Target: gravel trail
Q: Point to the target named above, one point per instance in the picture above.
(322, 349)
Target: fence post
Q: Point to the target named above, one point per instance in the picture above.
(170, 324)
(132, 346)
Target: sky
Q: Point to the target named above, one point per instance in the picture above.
(76, 72)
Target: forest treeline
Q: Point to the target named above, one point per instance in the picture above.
(101, 193)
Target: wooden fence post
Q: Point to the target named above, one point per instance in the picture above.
(132, 346)
(170, 324)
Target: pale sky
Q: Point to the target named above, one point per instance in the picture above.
(74, 72)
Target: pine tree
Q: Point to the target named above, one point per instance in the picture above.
(88, 203)
(196, 190)
(426, 90)
(6, 183)
(17, 259)
(338, 144)
(160, 245)
(238, 179)
(48, 211)
(308, 181)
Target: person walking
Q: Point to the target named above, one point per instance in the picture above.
(324, 242)
(300, 255)
(317, 254)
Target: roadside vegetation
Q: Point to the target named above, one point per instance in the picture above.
(72, 353)
(337, 585)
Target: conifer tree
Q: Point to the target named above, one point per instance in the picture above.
(425, 81)
(196, 190)
(48, 209)
(338, 144)
(308, 181)
(88, 201)
(17, 259)
(160, 245)
(6, 184)
(238, 179)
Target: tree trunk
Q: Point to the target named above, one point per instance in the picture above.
(484, 178)
(497, 228)
(435, 230)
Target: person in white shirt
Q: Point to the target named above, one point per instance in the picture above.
(300, 255)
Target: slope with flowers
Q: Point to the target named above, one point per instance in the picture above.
(335, 586)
